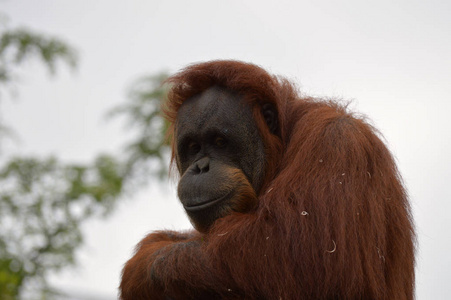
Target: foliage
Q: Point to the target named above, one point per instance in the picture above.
(29, 231)
(19, 45)
(43, 202)
(148, 128)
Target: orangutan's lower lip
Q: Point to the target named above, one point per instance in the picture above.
(208, 203)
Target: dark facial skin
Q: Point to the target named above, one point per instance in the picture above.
(220, 156)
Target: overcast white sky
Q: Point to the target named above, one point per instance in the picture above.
(392, 58)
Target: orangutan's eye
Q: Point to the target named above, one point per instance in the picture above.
(193, 147)
(220, 142)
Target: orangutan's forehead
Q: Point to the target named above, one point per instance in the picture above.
(214, 106)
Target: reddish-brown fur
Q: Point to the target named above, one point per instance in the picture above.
(332, 222)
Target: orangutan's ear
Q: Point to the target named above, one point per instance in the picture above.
(270, 114)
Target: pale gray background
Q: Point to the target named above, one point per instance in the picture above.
(392, 58)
